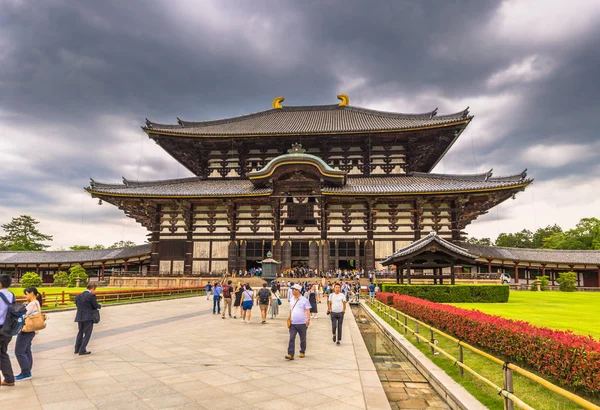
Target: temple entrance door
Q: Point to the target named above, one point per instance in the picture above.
(252, 264)
(349, 264)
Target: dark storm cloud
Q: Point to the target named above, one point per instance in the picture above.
(78, 78)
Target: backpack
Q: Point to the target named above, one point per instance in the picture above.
(263, 296)
(15, 317)
(227, 292)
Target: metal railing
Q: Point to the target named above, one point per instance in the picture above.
(507, 390)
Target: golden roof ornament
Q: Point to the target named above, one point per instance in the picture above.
(345, 100)
(296, 149)
(277, 102)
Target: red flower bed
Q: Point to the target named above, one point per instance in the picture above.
(571, 359)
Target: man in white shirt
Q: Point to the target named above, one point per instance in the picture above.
(300, 319)
(337, 308)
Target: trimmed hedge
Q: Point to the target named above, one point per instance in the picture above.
(452, 293)
(572, 360)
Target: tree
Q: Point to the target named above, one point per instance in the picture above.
(122, 244)
(77, 272)
(523, 239)
(86, 247)
(585, 236)
(542, 233)
(567, 281)
(31, 279)
(21, 234)
(61, 278)
(480, 241)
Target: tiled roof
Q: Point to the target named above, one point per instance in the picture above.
(421, 243)
(308, 120)
(399, 184)
(44, 257)
(553, 256)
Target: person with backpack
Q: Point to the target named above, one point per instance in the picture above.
(227, 293)
(23, 353)
(217, 288)
(263, 298)
(7, 321)
(87, 314)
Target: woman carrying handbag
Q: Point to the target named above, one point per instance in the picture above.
(34, 320)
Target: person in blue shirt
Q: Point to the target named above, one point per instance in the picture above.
(208, 289)
(372, 290)
(217, 298)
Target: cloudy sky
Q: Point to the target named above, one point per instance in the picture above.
(77, 79)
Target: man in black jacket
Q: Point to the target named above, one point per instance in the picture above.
(87, 305)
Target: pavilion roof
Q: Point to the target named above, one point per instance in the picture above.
(415, 248)
(44, 257)
(309, 119)
(553, 256)
(410, 184)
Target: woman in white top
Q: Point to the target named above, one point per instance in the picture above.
(337, 307)
(247, 303)
(24, 339)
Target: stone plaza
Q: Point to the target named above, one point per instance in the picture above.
(177, 354)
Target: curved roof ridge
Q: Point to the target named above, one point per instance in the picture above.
(98, 184)
(129, 182)
(482, 176)
(387, 114)
(515, 177)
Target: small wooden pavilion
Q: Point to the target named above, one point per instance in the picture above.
(431, 253)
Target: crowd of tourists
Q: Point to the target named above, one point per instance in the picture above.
(303, 299)
(303, 272)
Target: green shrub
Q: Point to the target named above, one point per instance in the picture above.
(544, 283)
(567, 281)
(31, 279)
(452, 293)
(61, 278)
(77, 272)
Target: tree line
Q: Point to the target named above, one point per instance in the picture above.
(584, 236)
(22, 234)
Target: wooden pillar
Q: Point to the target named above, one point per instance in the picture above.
(401, 270)
(398, 273)
(125, 267)
(313, 255)
(452, 277)
(516, 273)
(37, 269)
(543, 269)
(369, 254)
(102, 272)
(232, 256)
(489, 266)
(408, 273)
(155, 243)
(599, 276)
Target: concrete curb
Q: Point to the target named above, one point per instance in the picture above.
(374, 394)
(456, 396)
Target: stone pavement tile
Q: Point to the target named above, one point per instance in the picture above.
(70, 405)
(357, 400)
(222, 403)
(126, 405)
(412, 404)
(256, 396)
(286, 390)
(154, 391)
(140, 383)
(59, 395)
(279, 404)
(309, 400)
(188, 406)
(337, 392)
(167, 400)
(17, 392)
(337, 405)
(176, 378)
(220, 380)
(99, 374)
(57, 387)
(241, 387)
(113, 397)
(271, 381)
(18, 403)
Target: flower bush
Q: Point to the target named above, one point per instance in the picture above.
(572, 360)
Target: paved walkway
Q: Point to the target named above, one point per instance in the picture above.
(177, 354)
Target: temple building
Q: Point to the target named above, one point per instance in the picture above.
(324, 187)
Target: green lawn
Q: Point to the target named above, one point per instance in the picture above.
(576, 311)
